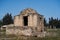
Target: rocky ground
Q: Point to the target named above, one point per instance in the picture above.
(52, 34)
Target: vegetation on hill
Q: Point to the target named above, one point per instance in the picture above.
(53, 22)
(1, 23)
(7, 19)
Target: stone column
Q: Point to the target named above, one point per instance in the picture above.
(35, 20)
(16, 21)
(42, 24)
(30, 21)
(21, 20)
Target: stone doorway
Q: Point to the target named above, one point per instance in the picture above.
(25, 18)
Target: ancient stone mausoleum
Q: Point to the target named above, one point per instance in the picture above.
(29, 18)
(28, 23)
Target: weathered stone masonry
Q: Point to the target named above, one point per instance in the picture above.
(29, 22)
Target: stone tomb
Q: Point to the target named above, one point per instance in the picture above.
(29, 22)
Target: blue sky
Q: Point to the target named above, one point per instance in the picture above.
(48, 8)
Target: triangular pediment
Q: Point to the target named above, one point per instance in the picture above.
(28, 11)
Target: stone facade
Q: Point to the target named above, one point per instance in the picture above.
(34, 20)
(28, 22)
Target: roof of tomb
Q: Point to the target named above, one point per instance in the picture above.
(28, 10)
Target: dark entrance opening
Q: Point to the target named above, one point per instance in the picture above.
(25, 20)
